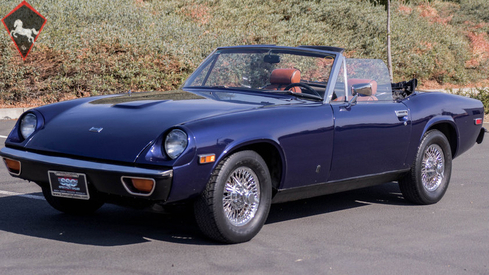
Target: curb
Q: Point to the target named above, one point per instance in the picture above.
(11, 113)
(463, 90)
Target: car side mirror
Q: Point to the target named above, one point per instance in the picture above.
(364, 89)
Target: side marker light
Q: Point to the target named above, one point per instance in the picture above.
(207, 158)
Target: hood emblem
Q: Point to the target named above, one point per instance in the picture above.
(96, 129)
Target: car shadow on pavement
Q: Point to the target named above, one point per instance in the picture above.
(116, 226)
(387, 193)
(111, 225)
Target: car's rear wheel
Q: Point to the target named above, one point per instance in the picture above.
(72, 206)
(237, 198)
(429, 177)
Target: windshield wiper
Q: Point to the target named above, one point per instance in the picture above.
(301, 95)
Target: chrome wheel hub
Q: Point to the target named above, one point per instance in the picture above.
(432, 168)
(241, 196)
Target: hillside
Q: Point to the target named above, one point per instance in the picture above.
(103, 47)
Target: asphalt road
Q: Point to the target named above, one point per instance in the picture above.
(368, 231)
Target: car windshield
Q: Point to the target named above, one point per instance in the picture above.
(268, 70)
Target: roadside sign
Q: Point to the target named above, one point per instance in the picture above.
(24, 24)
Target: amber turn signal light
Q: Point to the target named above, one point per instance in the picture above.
(13, 166)
(143, 185)
(138, 186)
(207, 158)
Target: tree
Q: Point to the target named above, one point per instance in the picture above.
(387, 5)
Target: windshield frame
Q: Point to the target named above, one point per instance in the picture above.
(334, 53)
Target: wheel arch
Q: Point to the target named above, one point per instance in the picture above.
(271, 154)
(447, 126)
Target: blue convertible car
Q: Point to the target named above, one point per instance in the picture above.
(253, 125)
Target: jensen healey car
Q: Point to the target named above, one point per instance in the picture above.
(252, 126)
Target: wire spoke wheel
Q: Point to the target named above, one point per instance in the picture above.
(241, 196)
(235, 204)
(432, 168)
(429, 177)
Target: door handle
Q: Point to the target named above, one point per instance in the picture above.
(401, 113)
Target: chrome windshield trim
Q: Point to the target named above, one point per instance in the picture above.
(345, 77)
(334, 74)
(82, 164)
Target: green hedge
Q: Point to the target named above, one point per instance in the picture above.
(107, 46)
(481, 94)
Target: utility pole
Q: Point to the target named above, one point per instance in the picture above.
(389, 56)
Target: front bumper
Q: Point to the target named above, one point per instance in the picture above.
(102, 177)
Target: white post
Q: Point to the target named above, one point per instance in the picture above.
(389, 56)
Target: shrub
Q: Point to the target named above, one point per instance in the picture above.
(481, 94)
(103, 47)
(475, 11)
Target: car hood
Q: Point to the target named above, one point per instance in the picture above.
(118, 128)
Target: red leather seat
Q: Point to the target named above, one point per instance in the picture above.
(280, 78)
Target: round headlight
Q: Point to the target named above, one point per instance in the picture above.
(175, 143)
(28, 125)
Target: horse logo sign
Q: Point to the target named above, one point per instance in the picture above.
(24, 24)
(25, 32)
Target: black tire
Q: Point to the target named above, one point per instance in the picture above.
(214, 207)
(72, 206)
(430, 173)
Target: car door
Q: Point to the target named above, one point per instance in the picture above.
(370, 137)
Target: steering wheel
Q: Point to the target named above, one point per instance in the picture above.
(307, 88)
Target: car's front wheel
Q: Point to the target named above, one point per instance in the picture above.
(72, 206)
(237, 198)
(428, 179)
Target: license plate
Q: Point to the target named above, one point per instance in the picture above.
(68, 185)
